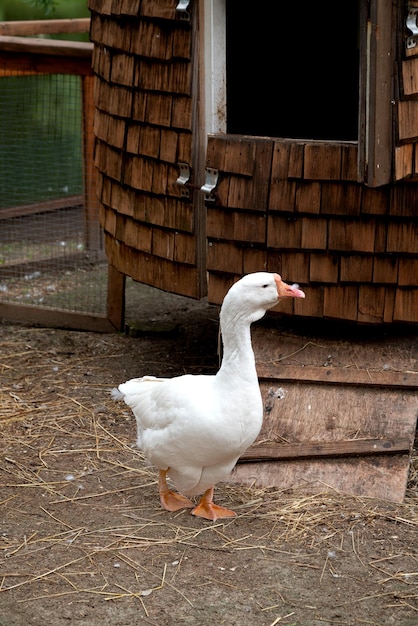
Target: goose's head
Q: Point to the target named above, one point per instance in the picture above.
(255, 293)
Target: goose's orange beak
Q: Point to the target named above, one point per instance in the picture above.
(287, 291)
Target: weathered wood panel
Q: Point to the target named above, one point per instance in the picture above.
(337, 414)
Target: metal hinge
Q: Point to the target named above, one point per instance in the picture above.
(181, 8)
(183, 179)
(411, 24)
(211, 180)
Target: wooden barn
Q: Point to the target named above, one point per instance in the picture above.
(233, 137)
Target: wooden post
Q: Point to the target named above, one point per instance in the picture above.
(116, 297)
(93, 239)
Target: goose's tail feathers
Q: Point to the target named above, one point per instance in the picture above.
(116, 394)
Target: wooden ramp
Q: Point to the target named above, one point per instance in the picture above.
(338, 414)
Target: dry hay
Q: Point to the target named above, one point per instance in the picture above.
(81, 514)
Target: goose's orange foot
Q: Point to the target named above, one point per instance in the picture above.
(170, 500)
(207, 509)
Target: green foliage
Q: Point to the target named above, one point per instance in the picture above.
(48, 6)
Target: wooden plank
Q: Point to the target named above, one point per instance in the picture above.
(122, 69)
(341, 302)
(403, 161)
(218, 285)
(403, 200)
(182, 112)
(116, 297)
(371, 304)
(385, 270)
(169, 140)
(366, 377)
(184, 214)
(41, 63)
(282, 192)
(102, 6)
(375, 128)
(54, 318)
(340, 199)
(283, 233)
(92, 231)
(296, 160)
(249, 227)
(356, 268)
(313, 306)
(158, 109)
(311, 449)
(402, 237)
(220, 223)
(314, 233)
(45, 27)
(215, 152)
(141, 174)
(408, 119)
(261, 175)
(406, 306)
(152, 41)
(224, 257)
(322, 162)
(41, 207)
(160, 178)
(239, 192)
(308, 197)
(349, 158)
(380, 476)
(374, 201)
(240, 156)
(163, 244)
(408, 272)
(282, 196)
(56, 47)
(254, 260)
(281, 161)
(174, 77)
(388, 314)
(349, 235)
(324, 268)
(184, 147)
(295, 266)
(330, 407)
(185, 248)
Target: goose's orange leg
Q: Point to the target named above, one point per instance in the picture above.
(170, 500)
(207, 509)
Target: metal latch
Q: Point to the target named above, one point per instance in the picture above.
(182, 7)
(183, 179)
(411, 24)
(211, 180)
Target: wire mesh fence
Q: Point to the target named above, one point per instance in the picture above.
(51, 254)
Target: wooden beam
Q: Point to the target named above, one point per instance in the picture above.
(320, 449)
(58, 47)
(54, 318)
(41, 207)
(338, 375)
(116, 298)
(45, 27)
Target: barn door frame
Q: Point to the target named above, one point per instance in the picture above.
(376, 84)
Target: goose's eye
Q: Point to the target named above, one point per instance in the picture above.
(265, 286)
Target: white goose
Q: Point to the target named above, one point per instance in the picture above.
(195, 427)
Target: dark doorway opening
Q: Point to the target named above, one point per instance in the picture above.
(293, 69)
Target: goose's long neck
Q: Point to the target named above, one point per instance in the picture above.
(238, 356)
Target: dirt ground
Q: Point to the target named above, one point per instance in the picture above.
(83, 539)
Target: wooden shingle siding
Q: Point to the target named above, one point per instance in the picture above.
(143, 127)
(297, 207)
(352, 248)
